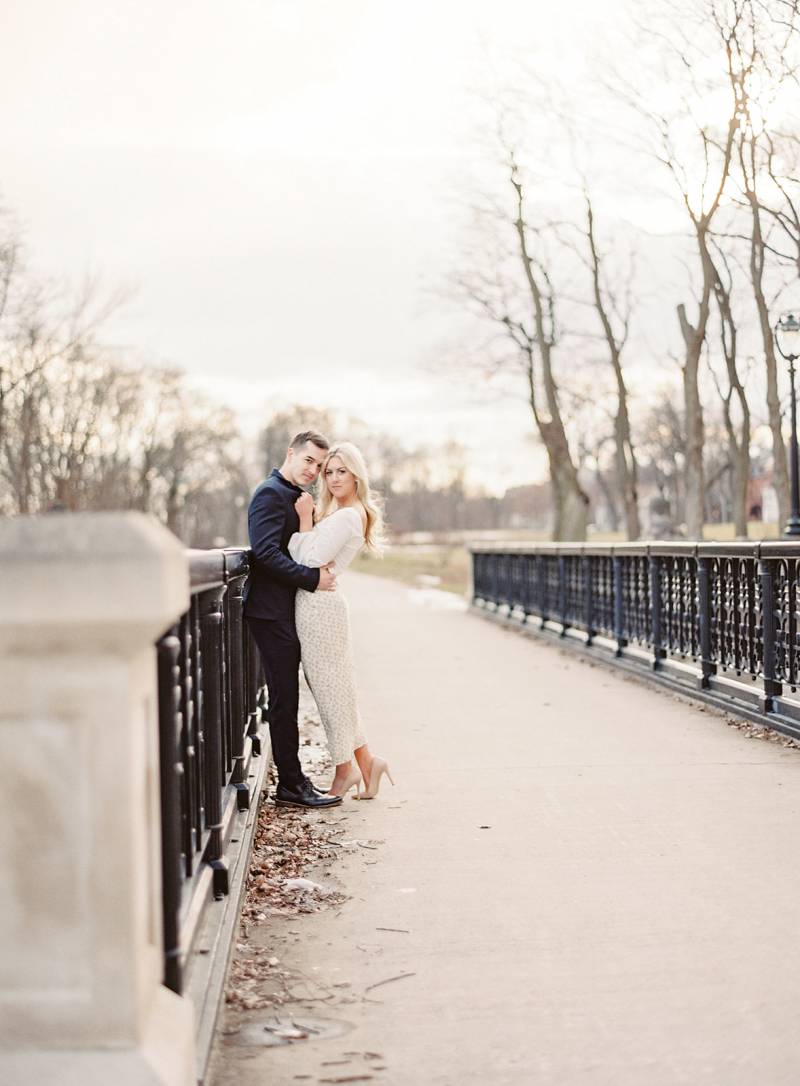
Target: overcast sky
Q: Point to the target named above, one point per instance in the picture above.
(275, 178)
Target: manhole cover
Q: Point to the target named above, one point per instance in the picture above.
(289, 1030)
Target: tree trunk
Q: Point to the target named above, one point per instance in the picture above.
(693, 420)
(571, 503)
(624, 453)
(625, 460)
(739, 441)
(780, 468)
(610, 498)
(571, 500)
(740, 479)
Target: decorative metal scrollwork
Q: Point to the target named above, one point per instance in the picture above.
(603, 594)
(786, 620)
(734, 617)
(678, 587)
(636, 599)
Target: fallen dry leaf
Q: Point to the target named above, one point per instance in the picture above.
(286, 844)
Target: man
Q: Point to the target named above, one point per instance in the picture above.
(269, 608)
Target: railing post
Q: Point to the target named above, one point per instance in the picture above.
(542, 586)
(487, 578)
(518, 583)
(197, 765)
(588, 588)
(236, 671)
(85, 597)
(772, 688)
(254, 712)
(562, 593)
(479, 577)
(525, 587)
(211, 641)
(656, 612)
(619, 606)
(169, 726)
(705, 618)
(188, 689)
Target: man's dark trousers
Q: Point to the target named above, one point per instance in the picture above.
(280, 654)
(269, 609)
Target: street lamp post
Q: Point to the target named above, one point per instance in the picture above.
(787, 340)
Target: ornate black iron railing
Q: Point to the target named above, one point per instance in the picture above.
(718, 618)
(211, 709)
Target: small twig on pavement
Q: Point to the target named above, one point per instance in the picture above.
(400, 976)
(349, 1078)
(302, 1025)
(402, 931)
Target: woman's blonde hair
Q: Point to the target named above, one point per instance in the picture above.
(353, 460)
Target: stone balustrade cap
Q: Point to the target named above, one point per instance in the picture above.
(88, 575)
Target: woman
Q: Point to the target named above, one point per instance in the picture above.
(348, 519)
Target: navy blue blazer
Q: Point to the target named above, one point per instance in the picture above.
(274, 578)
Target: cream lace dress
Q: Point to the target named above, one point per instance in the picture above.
(323, 626)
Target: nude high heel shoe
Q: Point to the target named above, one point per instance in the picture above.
(353, 781)
(379, 767)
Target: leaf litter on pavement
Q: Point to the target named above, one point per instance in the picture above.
(290, 850)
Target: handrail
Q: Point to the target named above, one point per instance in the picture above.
(719, 619)
(211, 711)
(782, 547)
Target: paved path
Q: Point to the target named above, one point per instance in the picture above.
(599, 882)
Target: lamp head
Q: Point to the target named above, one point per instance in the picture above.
(787, 336)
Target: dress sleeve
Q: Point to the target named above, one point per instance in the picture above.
(321, 546)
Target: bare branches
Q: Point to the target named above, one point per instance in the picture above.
(79, 430)
(709, 106)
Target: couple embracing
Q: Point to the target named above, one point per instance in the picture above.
(295, 609)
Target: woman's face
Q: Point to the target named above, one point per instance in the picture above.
(340, 481)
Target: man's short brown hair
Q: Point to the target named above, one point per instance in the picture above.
(299, 440)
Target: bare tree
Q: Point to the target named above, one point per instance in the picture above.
(758, 248)
(52, 380)
(571, 503)
(614, 314)
(782, 166)
(761, 57)
(735, 405)
(693, 329)
(698, 155)
(521, 310)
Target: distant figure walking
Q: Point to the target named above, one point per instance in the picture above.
(348, 518)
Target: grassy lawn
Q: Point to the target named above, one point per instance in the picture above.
(419, 566)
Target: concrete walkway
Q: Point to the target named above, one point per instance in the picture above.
(596, 883)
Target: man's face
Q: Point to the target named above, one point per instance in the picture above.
(305, 463)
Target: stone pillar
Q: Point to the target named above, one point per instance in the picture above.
(83, 597)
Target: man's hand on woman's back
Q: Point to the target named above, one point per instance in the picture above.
(327, 580)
